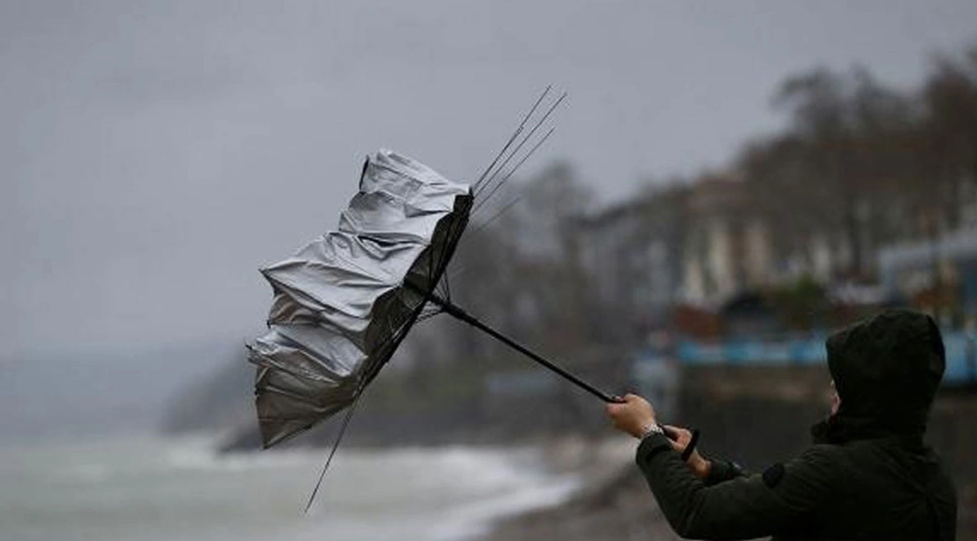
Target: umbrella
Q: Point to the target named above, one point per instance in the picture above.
(344, 302)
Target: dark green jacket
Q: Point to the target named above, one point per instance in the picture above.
(869, 476)
(887, 489)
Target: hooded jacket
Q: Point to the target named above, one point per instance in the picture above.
(868, 475)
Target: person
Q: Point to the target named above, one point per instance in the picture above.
(867, 476)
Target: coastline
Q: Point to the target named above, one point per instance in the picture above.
(613, 500)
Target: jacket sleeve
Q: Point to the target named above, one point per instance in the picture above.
(723, 470)
(782, 499)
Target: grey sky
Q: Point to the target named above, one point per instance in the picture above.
(145, 145)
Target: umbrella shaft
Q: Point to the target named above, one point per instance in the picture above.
(455, 311)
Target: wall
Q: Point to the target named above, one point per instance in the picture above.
(759, 415)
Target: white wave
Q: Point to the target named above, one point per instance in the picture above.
(476, 518)
(445, 495)
(183, 485)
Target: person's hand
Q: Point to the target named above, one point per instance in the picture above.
(680, 438)
(633, 416)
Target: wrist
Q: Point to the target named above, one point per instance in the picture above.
(700, 466)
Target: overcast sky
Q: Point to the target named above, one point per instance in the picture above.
(153, 154)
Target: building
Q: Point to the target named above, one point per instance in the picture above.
(726, 247)
(948, 264)
(632, 255)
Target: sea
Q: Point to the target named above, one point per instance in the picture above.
(151, 488)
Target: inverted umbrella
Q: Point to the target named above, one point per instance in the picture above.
(344, 302)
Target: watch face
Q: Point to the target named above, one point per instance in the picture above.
(653, 429)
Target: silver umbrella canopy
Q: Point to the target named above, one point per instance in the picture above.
(343, 303)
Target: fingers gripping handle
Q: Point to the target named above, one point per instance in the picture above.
(690, 448)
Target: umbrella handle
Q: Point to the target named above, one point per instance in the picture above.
(456, 312)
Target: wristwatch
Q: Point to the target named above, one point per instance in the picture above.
(652, 429)
(689, 448)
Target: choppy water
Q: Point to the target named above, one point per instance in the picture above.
(152, 489)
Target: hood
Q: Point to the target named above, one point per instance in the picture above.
(886, 370)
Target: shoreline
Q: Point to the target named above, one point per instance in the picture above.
(613, 500)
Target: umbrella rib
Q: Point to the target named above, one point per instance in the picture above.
(455, 230)
(429, 315)
(497, 215)
(528, 136)
(445, 287)
(335, 446)
(431, 265)
(456, 312)
(514, 169)
(436, 262)
(520, 145)
(529, 154)
(513, 137)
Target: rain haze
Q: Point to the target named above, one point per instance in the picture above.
(154, 155)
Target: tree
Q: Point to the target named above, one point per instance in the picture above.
(950, 98)
(840, 155)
